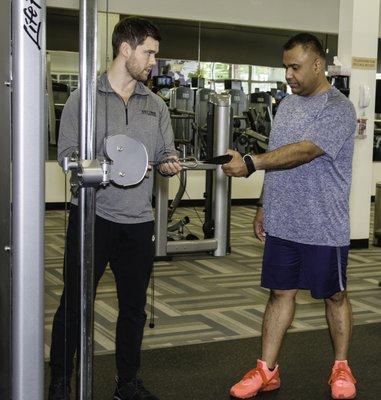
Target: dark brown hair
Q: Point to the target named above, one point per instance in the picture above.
(134, 31)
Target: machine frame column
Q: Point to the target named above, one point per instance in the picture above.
(5, 199)
(28, 197)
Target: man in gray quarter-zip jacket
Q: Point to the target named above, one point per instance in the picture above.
(124, 224)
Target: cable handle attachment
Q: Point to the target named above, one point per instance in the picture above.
(193, 163)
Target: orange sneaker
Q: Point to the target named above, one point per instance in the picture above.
(342, 381)
(259, 379)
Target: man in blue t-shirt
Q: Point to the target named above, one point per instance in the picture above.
(305, 213)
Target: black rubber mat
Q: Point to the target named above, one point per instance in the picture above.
(206, 371)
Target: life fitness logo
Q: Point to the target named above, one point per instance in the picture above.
(32, 21)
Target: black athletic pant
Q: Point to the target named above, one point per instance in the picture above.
(129, 248)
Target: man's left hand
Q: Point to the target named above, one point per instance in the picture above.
(236, 167)
(170, 166)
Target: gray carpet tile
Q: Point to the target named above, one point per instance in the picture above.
(200, 298)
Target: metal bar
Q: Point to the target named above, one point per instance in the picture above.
(191, 246)
(256, 135)
(179, 116)
(28, 192)
(178, 111)
(87, 145)
(208, 226)
(200, 166)
(5, 200)
(222, 126)
(161, 215)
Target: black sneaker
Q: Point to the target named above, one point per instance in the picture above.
(59, 389)
(133, 390)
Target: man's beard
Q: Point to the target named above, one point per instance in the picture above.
(135, 72)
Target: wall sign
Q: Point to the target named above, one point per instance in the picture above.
(364, 63)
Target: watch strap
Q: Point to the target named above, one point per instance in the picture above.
(249, 164)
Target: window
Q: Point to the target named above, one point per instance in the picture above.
(245, 87)
(241, 72)
(253, 77)
(267, 74)
(221, 71)
(215, 71)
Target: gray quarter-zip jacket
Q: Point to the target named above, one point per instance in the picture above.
(144, 117)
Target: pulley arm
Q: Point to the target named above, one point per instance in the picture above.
(87, 173)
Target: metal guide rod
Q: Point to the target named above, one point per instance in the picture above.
(28, 198)
(161, 215)
(87, 145)
(222, 126)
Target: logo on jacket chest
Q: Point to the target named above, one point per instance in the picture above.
(148, 112)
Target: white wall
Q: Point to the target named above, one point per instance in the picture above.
(310, 15)
(105, 54)
(64, 61)
(242, 188)
(55, 183)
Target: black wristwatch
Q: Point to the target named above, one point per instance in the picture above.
(249, 164)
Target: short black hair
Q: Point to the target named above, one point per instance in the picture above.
(307, 41)
(134, 31)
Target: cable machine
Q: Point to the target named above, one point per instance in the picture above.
(22, 225)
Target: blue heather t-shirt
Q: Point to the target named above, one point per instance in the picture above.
(310, 203)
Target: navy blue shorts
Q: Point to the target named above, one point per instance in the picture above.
(289, 265)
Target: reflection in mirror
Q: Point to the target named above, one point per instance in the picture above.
(62, 79)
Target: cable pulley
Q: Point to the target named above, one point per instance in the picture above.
(126, 164)
(129, 159)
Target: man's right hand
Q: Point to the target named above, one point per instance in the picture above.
(170, 166)
(259, 231)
